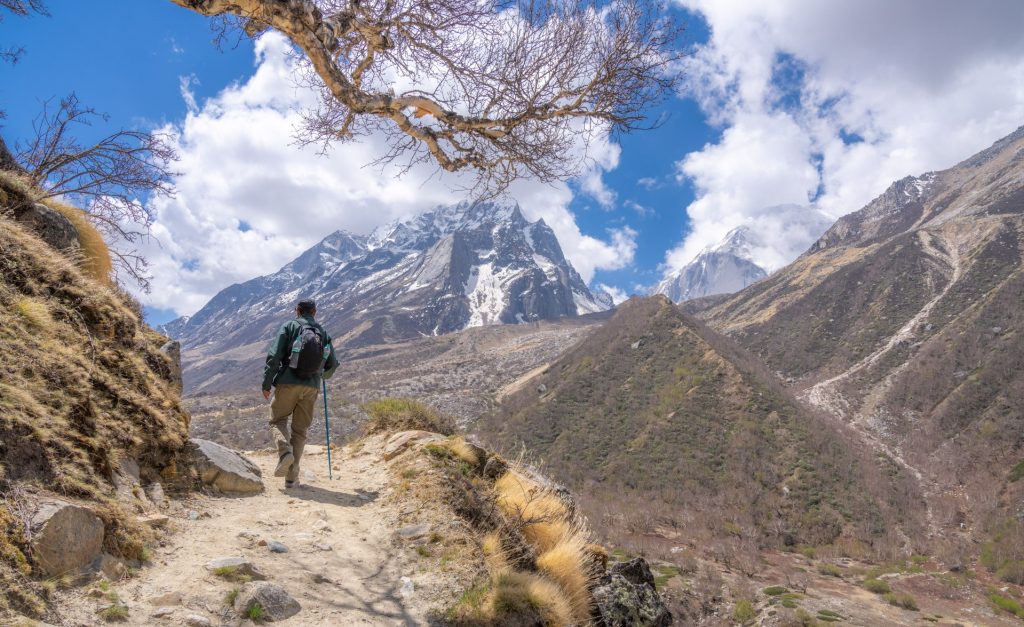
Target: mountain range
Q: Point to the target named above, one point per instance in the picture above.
(456, 267)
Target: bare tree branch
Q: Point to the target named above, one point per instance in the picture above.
(109, 179)
(21, 8)
(500, 88)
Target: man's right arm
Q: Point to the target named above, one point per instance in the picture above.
(275, 355)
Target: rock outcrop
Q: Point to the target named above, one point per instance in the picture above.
(626, 596)
(65, 537)
(224, 469)
(55, 229)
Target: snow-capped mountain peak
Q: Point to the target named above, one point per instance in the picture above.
(469, 264)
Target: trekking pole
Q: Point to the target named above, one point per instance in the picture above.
(327, 430)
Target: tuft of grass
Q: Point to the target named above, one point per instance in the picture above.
(232, 573)
(114, 614)
(542, 513)
(516, 594)
(877, 586)
(96, 260)
(33, 312)
(464, 451)
(901, 599)
(256, 612)
(390, 415)
(664, 574)
(830, 570)
(569, 565)
(808, 551)
(743, 613)
(495, 556)
(423, 551)
(774, 591)
(1006, 604)
(1017, 472)
(231, 595)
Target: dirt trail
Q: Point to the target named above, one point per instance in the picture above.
(342, 564)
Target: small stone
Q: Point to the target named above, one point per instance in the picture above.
(319, 546)
(154, 521)
(321, 526)
(277, 604)
(162, 611)
(401, 441)
(112, 568)
(169, 598)
(155, 492)
(277, 547)
(248, 535)
(407, 588)
(195, 620)
(414, 532)
(318, 578)
(193, 515)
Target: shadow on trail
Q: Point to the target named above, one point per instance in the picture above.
(330, 497)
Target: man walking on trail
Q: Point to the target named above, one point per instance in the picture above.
(301, 354)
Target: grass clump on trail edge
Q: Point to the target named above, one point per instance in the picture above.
(878, 586)
(402, 414)
(901, 599)
(84, 385)
(526, 558)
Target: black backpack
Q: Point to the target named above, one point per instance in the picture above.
(307, 357)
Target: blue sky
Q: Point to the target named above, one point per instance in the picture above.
(803, 103)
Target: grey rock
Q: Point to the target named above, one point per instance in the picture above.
(65, 537)
(172, 350)
(193, 514)
(277, 547)
(224, 469)
(166, 599)
(626, 596)
(156, 495)
(542, 388)
(113, 568)
(277, 604)
(320, 546)
(195, 620)
(240, 565)
(51, 226)
(403, 440)
(162, 611)
(414, 532)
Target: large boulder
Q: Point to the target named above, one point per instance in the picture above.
(272, 598)
(50, 225)
(65, 537)
(626, 596)
(224, 469)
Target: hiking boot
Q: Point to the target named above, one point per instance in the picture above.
(284, 464)
(291, 484)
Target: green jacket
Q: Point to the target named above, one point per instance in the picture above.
(277, 371)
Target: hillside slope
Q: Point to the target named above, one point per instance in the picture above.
(84, 388)
(654, 407)
(904, 321)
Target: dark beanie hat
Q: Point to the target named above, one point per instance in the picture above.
(307, 304)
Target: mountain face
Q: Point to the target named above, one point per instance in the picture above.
(905, 321)
(721, 269)
(732, 264)
(468, 265)
(656, 407)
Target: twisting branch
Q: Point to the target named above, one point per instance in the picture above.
(21, 8)
(109, 179)
(502, 88)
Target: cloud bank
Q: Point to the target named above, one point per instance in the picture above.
(824, 104)
(249, 199)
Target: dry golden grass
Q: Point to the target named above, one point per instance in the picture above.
(92, 388)
(391, 415)
(572, 568)
(96, 261)
(463, 450)
(517, 594)
(495, 556)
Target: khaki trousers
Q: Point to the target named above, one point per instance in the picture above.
(297, 401)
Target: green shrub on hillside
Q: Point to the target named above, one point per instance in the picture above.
(389, 415)
(901, 599)
(1007, 604)
(877, 586)
(743, 613)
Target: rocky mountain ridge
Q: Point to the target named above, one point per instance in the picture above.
(471, 264)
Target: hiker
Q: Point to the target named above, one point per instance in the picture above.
(301, 354)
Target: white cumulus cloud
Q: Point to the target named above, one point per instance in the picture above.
(248, 199)
(824, 104)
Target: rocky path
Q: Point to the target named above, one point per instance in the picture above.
(341, 563)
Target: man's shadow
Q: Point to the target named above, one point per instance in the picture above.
(330, 497)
